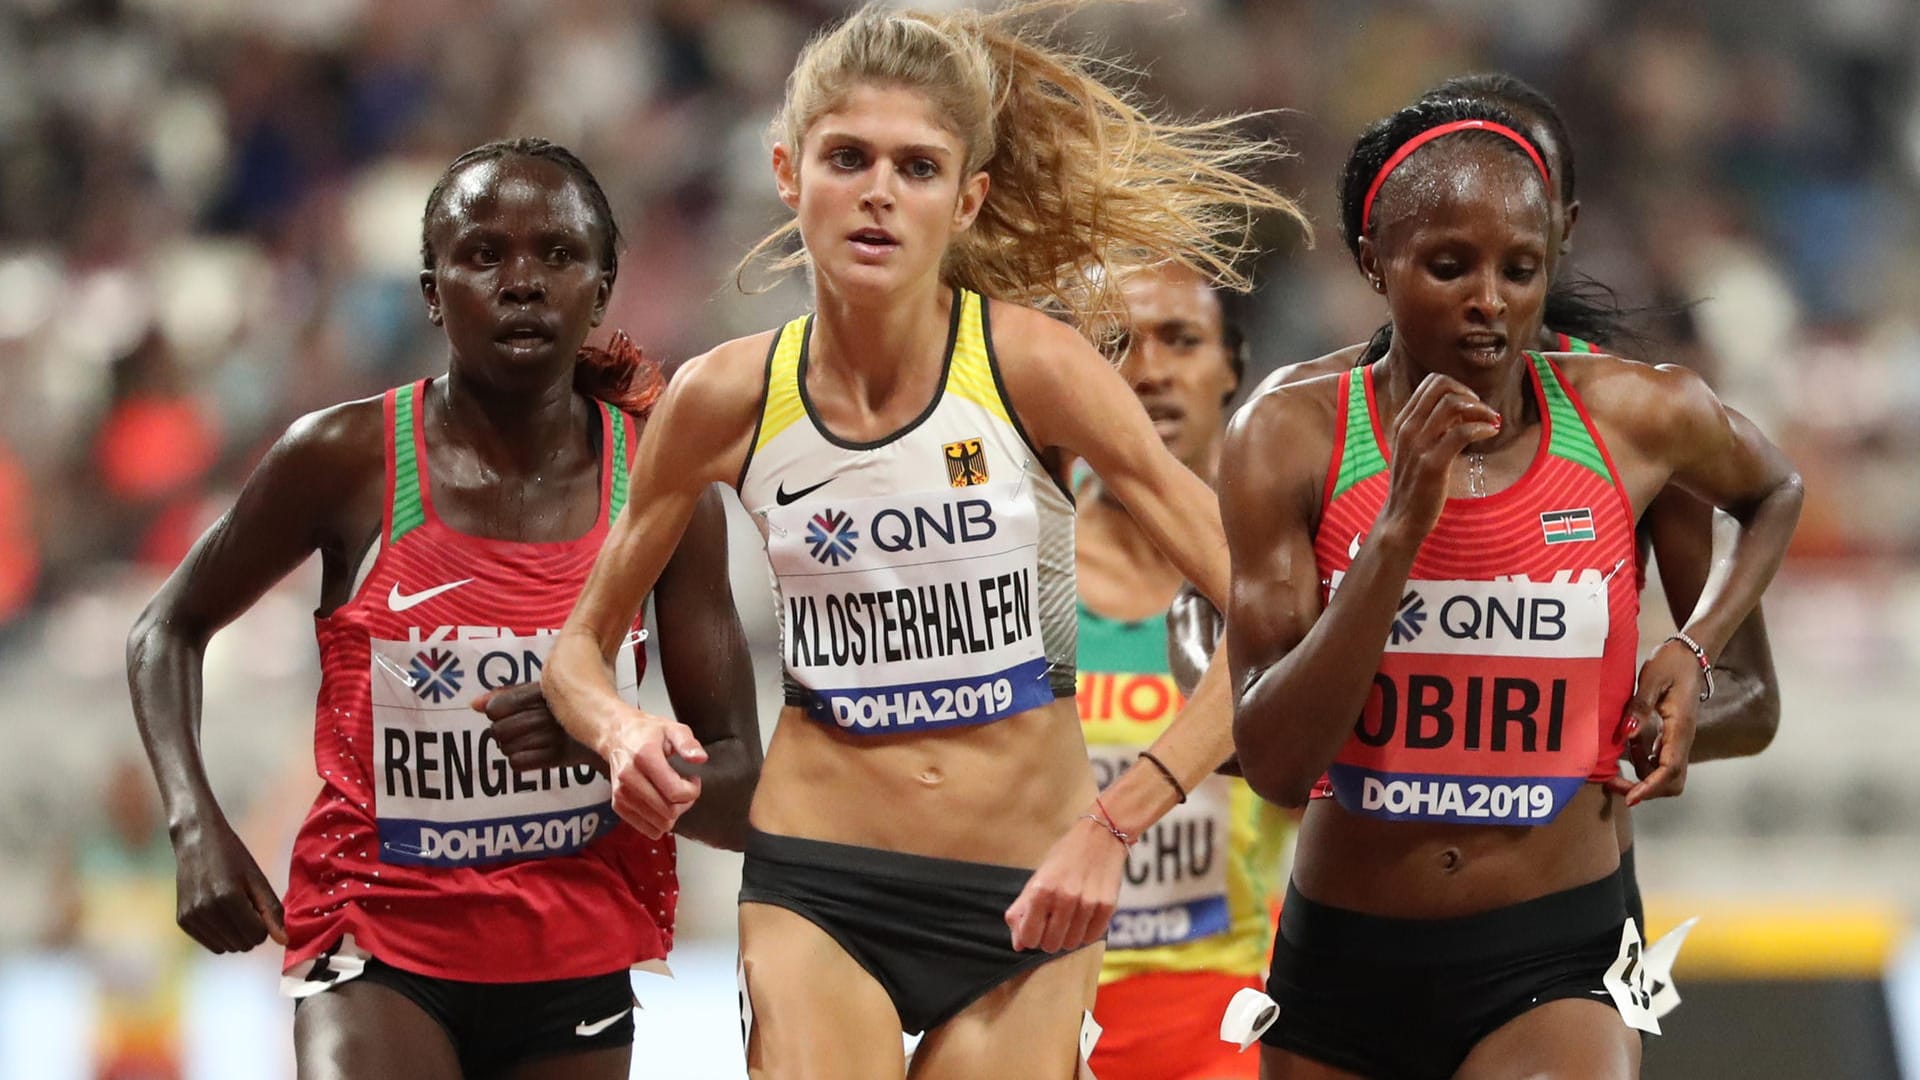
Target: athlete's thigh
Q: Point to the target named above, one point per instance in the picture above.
(365, 1031)
(1028, 1026)
(1277, 1064)
(817, 1014)
(1569, 1039)
(606, 1063)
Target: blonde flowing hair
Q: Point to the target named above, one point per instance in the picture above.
(1086, 186)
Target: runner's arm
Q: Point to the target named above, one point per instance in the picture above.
(709, 675)
(286, 511)
(1070, 401)
(1723, 459)
(1071, 398)
(1744, 713)
(1674, 421)
(1267, 502)
(696, 436)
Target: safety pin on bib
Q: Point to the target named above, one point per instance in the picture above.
(396, 670)
(1602, 587)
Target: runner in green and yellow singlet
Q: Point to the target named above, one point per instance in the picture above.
(1194, 921)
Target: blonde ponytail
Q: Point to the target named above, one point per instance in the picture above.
(1086, 188)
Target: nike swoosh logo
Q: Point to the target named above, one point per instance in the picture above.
(399, 601)
(587, 1031)
(782, 496)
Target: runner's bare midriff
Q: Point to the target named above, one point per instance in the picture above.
(995, 793)
(1421, 870)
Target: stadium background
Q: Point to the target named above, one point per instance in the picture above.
(209, 225)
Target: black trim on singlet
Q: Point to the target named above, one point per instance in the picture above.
(1013, 414)
(760, 415)
(939, 391)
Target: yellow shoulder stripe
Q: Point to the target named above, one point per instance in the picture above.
(970, 376)
(783, 405)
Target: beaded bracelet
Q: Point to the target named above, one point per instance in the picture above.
(1700, 654)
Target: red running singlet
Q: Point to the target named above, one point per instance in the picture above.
(1510, 662)
(424, 845)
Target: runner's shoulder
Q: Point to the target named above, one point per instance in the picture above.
(1648, 400)
(1332, 363)
(1289, 409)
(725, 383)
(338, 443)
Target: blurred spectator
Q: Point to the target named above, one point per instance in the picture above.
(115, 911)
(228, 193)
(153, 450)
(19, 561)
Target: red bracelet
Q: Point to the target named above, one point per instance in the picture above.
(1105, 821)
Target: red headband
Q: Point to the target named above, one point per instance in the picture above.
(1406, 150)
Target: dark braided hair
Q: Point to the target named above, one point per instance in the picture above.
(620, 374)
(1233, 334)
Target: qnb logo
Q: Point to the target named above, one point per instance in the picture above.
(436, 675)
(1410, 619)
(831, 536)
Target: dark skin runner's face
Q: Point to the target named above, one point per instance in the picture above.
(518, 280)
(1174, 354)
(1465, 277)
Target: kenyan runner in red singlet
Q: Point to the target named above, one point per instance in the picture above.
(1509, 662)
(1194, 921)
(1441, 545)
(423, 840)
(1677, 529)
(463, 900)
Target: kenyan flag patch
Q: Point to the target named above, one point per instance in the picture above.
(1567, 526)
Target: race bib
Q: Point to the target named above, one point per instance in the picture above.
(1630, 984)
(911, 612)
(444, 793)
(1174, 888)
(1249, 1014)
(1485, 707)
(1660, 957)
(746, 1004)
(1090, 1031)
